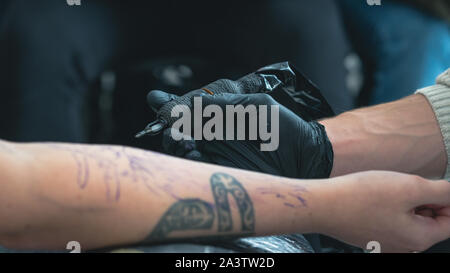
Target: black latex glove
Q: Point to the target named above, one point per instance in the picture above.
(304, 149)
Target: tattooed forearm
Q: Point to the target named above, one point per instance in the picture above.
(293, 199)
(182, 201)
(222, 185)
(189, 214)
(108, 160)
(195, 214)
(94, 157)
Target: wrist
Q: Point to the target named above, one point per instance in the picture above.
(322, 197)
(348, 142)
(337, 207)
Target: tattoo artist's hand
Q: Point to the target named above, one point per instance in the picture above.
(404, 213)
(304, 150)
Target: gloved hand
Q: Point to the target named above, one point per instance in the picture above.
(304, 149)
(282, 81)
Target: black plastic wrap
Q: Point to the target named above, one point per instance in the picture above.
(293, 90)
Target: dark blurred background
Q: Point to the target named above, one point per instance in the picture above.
(81, 73)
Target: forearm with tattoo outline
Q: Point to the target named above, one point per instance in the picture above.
(105, 196)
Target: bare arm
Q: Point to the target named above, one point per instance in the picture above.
(105, 196)
(401, 136)
(411, 135)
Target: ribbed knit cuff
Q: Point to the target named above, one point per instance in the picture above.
(439, 97)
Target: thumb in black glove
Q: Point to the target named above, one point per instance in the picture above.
(157, 99)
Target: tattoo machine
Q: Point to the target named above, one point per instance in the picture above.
(280, 80)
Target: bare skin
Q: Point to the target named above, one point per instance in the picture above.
(402, 136)
(110, 196)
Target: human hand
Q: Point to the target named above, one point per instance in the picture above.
(303, 149)
(404, 213)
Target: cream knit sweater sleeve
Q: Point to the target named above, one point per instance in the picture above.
(439, 97)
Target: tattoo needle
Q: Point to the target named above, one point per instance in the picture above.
(152, 129)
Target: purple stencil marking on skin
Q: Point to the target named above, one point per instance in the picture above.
(299, 198)
(86, 173)
(113, 180)
(289, 205)
(168, 189)
(117, 182)
(82, 171)
(106, 159)
(140, 171)
(280, 196)
(277, 195)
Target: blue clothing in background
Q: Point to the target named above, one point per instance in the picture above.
(402, 47)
